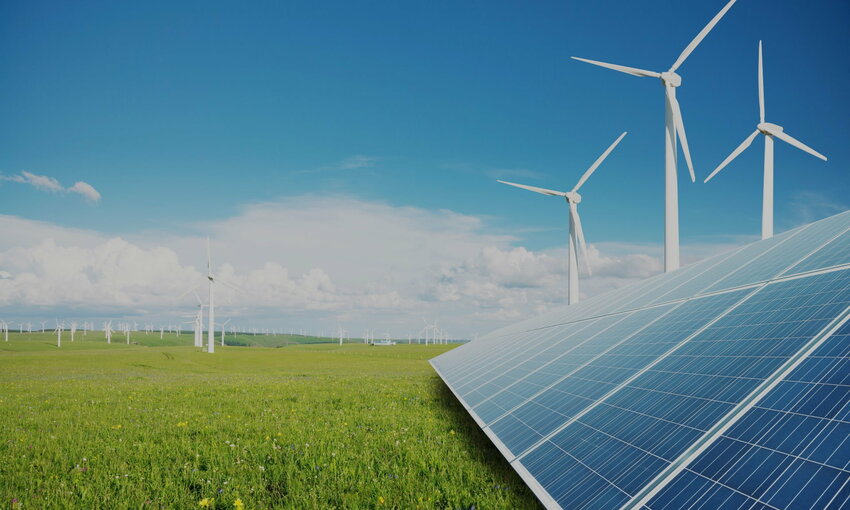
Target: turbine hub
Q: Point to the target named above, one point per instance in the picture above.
(769, 128)
(573, 197)
(671, 78)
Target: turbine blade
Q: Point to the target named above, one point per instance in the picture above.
(700, 36)
(634, 71)
(761, 87)
(785, 137)
(209, 258)
(598, 161)
(231, 285)
(680, 130)
(580, 235)
(735, 153)
(535, 189)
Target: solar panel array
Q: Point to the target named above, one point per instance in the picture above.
(725, 384)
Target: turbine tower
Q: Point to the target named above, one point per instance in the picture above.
(769, 130)
(576, 237)
(674, 128)
(211, 304)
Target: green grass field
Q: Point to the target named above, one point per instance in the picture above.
(164, 425)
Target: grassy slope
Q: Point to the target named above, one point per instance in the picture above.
(306, 426)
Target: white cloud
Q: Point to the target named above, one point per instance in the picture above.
(40, 182)
(305, 262)
(47, 183)
(355, 162)
(86, 190)
(358, 161)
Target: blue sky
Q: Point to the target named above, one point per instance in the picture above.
(188, 114)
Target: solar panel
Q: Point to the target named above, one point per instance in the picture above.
(723, 385)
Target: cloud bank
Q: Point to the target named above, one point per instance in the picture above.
(304, 262)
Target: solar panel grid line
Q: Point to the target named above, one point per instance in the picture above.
(542, 495)
(833, 254)
(743, 256)
(612, 451)
(699, 270)
(837, 494)
(462, 401)
(620, 386)
(663, 478)
(774, 262)
(813, 435)
(598, 333)
(586, 363)
(505, 345)
(698, 505)
(814, 252)
(580, 367)
(591, 469)
(505, 356)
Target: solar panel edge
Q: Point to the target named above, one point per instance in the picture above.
(655, 485)
(542, 494)
(466, 406)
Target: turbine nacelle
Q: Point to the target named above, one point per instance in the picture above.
(573, 197)
(769, 128)
(670, 78)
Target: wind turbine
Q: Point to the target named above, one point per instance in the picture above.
(576, 236)
(223, 330)
(59, 328)
(674, 128)
(769, 130)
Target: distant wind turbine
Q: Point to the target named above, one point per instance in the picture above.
(223, 330)
(576, 236)
(769, 130)
(674, 127)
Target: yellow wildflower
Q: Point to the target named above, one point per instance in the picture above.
(206, 502)
(238, 505)
(116, 427)
(182, 423)
(452, 432)
(380, 500)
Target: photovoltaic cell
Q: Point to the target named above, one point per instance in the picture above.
(700, 388)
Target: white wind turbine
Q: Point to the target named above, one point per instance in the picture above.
(576, 237)
(59, 328)
(674, 128)
(223, 330)
(769, 130)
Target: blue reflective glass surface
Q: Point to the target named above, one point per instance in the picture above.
(792, 449)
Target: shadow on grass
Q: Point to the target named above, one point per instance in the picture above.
(479, 447)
